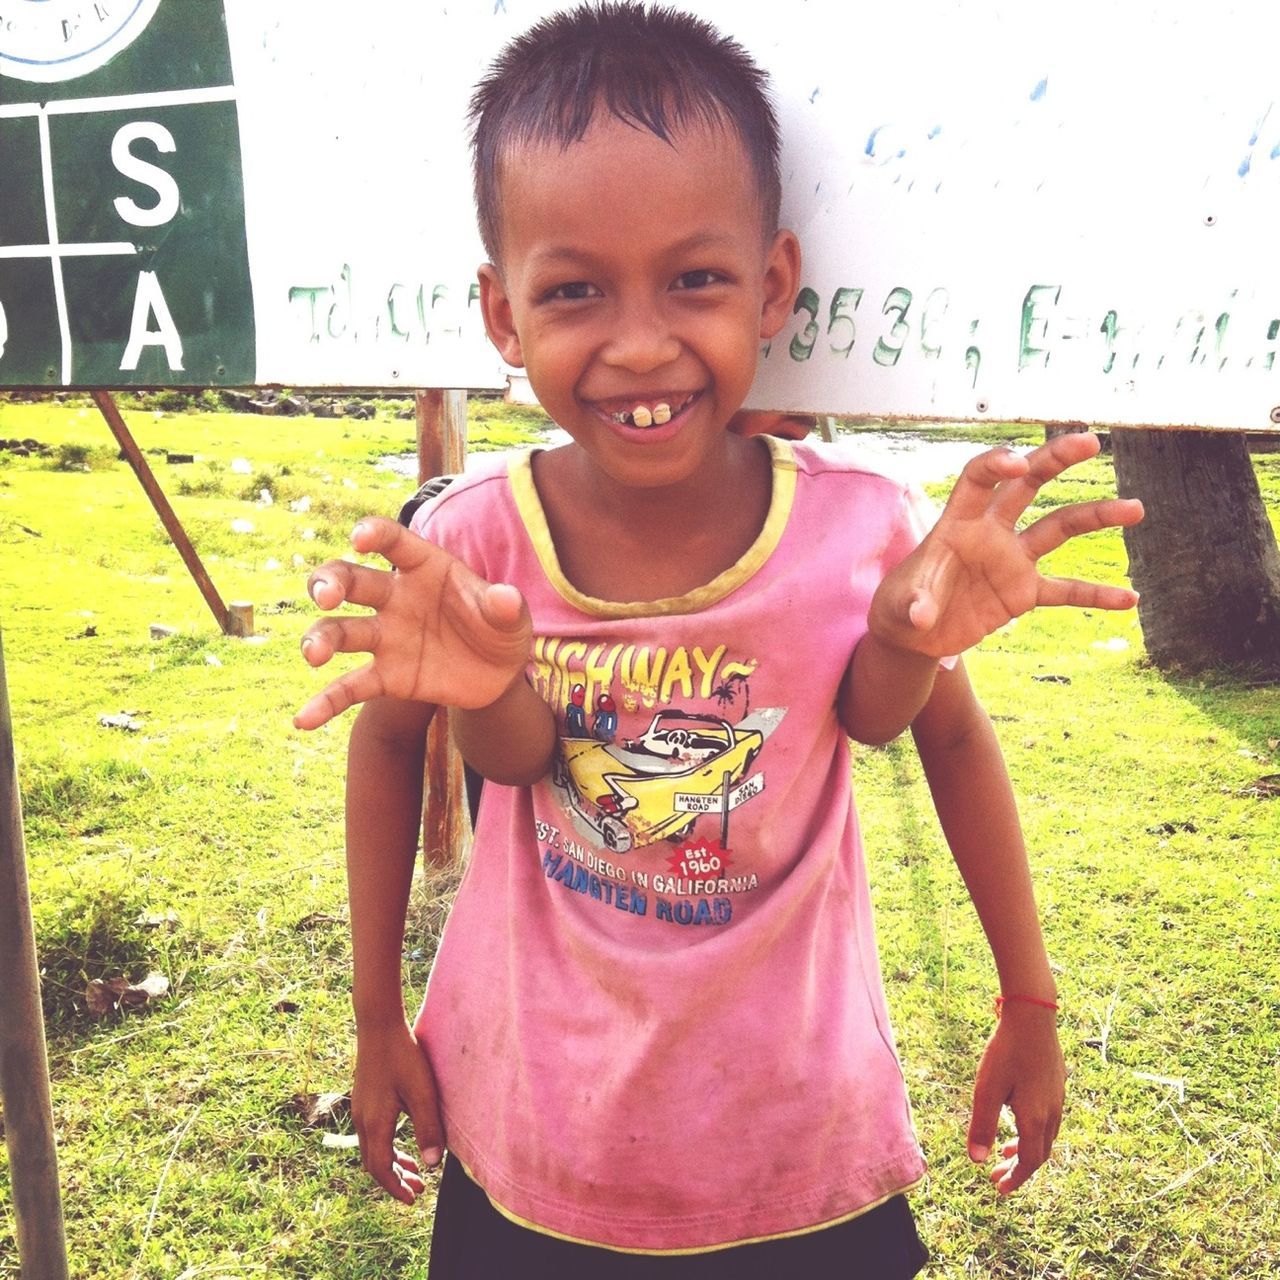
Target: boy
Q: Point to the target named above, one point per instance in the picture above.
(655, 1020)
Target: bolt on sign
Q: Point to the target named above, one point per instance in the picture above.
(123, 256)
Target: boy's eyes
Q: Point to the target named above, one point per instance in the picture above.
(699, 279)
(580, 290)
(573, 291)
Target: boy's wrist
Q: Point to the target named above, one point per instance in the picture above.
(1021, 1001)
(497, 704)
(514, 689)
(891, 647)
(378, 1016)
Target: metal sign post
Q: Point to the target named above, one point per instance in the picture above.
(24, 1065)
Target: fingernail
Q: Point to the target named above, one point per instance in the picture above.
(307, 642)
(978, 1153)
(432, 1156)
(316, 584)
(360, 528)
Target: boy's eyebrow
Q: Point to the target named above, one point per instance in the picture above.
(568, 254)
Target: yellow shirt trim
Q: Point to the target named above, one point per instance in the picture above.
(529, 506)
(711, 1248)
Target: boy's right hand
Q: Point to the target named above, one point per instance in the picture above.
(439, 633)
(393, 1078)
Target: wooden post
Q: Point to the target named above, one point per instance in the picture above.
(168, 518)
(240, 618)
(442, 433)
(442, 450)
(24, 1063)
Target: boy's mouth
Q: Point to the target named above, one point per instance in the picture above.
(652, 413)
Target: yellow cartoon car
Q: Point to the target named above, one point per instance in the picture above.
(655, 786)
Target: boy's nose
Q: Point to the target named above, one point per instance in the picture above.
(642, 340)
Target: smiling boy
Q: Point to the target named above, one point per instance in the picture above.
(621, 296)
(680, 1087)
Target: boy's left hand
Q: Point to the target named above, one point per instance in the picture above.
(1022, 1068)
(976, 571)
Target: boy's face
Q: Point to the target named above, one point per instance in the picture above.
(636, 274)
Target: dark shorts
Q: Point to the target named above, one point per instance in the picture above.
(471, 1240)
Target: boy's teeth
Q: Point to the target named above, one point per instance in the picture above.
(643, 416)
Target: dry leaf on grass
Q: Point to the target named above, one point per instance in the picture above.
(1263, 788)
(316, 920)
(320, 1110)
(1172, 827)
(167, 920)
(125, 720)
(103, 996)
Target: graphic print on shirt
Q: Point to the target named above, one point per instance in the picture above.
(685, 763)
(639, 790)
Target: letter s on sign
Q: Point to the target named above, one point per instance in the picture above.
(150, 175)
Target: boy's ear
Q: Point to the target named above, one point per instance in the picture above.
(781, 282)
(499, 323)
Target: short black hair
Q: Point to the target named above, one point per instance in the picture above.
(653, 67)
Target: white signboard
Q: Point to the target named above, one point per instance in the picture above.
(1008, 209)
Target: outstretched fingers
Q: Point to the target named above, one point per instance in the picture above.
(401, 547)
(1002, 483)
(1053, 457)
(338, 582)
(360, 685)
(342, 634)
(1078, 594)
(438, 632)
(1044, 464)
(979, 480)
(1051, 531)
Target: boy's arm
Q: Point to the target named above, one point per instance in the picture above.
(974, 572)
(510, 741)
(384, 815)
(1022, 1065)
(883, 690)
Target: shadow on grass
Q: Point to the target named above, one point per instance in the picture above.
(1244, 701)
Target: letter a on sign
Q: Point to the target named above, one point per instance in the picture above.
(149, 301)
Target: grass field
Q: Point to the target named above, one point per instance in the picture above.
(204, 844)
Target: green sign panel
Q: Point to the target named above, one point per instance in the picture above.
(123, 259)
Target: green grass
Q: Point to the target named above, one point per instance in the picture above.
(989, 433)
(198, 844)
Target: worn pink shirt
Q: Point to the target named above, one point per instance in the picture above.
(656, 1017)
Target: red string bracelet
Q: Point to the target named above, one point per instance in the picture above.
(1001, 1001)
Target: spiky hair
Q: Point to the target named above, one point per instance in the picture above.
(654, 68)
